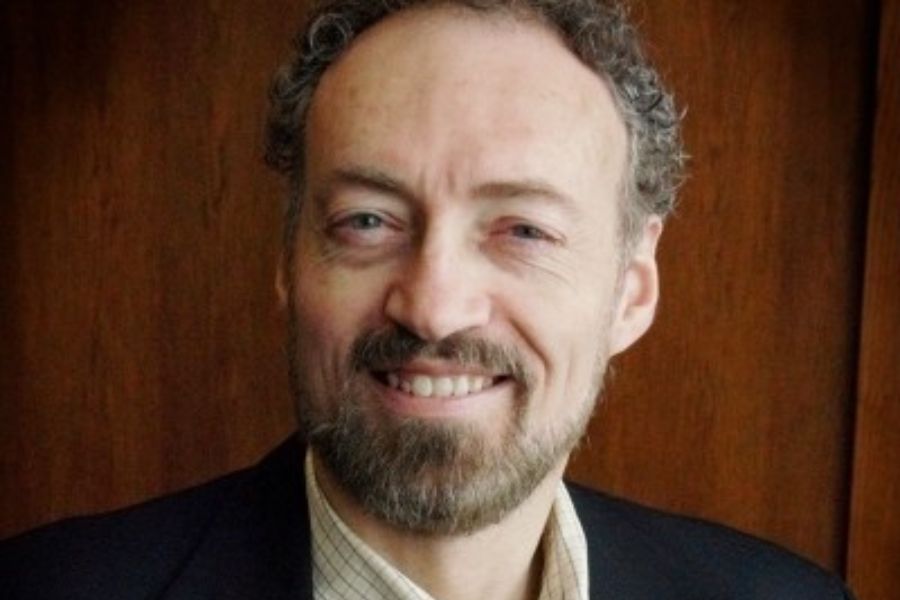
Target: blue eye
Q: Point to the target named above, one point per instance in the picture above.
(528, 232)
(364, 221)
(363, 229)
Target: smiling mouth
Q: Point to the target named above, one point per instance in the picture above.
(443, 386)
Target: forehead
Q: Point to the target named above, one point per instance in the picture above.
(447, 94)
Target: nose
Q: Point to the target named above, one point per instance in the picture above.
(441, 291)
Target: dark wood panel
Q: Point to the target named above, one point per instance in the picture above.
(141, 350)
(874, 557)
(736, 405)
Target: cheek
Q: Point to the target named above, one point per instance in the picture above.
(333, 307)
(579, 347)
(566, 329)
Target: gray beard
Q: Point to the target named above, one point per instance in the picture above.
(424, 476)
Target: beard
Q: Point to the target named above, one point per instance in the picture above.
(428, 476)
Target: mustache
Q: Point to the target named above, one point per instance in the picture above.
(389, 349)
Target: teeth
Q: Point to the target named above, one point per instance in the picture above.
(443, 386)
(440, 387)
(421, 386)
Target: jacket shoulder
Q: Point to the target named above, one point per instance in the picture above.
(127, 553)
(653, 554)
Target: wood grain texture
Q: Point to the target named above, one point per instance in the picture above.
(141, 346)
(736, 406)
(141, 349)
(874, 555)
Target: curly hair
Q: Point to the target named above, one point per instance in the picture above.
(598, 32)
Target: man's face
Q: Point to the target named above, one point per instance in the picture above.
(454, 290)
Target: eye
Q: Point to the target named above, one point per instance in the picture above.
(526, 231)
(362, 221)
(522, 236)
(362, 229)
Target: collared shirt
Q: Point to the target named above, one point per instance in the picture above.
(346, 568)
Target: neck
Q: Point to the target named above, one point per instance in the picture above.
(502, 561)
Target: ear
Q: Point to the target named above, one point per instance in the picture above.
(282, 289)
(638, 291)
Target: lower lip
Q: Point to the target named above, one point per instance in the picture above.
(404, 404)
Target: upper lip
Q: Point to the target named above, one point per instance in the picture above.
(439, 368)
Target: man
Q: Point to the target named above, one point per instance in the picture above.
(477, 191)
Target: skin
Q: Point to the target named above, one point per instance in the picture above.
(463, 176)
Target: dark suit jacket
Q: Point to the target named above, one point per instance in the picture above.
(247, 536)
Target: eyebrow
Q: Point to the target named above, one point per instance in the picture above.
(370, 179)
(525, 188)
(512, 189)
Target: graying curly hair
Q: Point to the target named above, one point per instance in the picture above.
(596, 31)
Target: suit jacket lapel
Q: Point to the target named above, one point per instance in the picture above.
(258, 546)
(622, 560)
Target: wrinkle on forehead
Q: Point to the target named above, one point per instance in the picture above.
(470, 89)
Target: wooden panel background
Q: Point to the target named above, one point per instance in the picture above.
(874, 561)
(142, 348)
(738, 405)
(140, 341)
